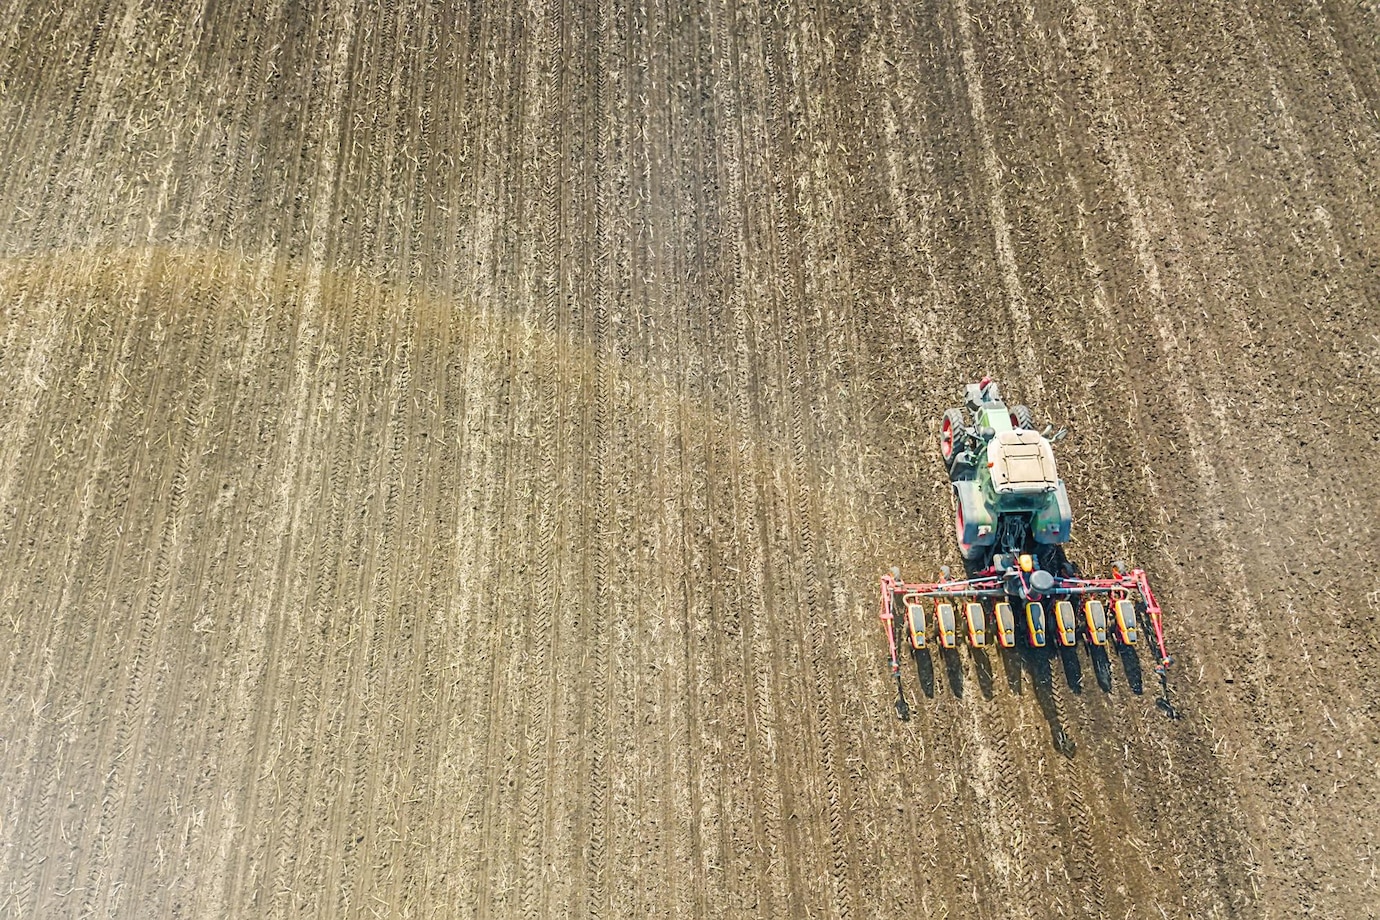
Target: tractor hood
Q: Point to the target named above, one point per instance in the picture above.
(1022, 463)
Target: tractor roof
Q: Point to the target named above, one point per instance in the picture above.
(1022, 462)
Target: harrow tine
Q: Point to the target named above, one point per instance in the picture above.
(888, 618)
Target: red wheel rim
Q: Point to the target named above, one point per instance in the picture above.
(946, 439)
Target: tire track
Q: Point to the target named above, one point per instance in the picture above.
(678, 251)
(737, 821)
(190, 802)
(193, 804)
(628, 849)
(288, 487)
(538, 749)
(656, 769)
(413, 673)
(772, 892)
(929, 757)
(1017, 306)
(68, 644)
(68, 55)
(424, 733)
(513, 736)
(63, 649)
(123, 644)
(486, 389)
(786, 264)
(889, 868)
(600, 422)
(244, 636)
(1080, 847)
(374, 748)
(703, 805)
(159, 729)
(14, 436)
(463, 704)
(1004, 827)
(352, 826)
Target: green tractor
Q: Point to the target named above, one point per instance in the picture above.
(1008, 497)
(1011, 521)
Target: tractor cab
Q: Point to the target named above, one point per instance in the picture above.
(990, 415)
(1021, 462)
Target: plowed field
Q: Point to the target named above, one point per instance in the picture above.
(447, 454)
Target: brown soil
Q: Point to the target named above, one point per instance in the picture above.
(447, 456)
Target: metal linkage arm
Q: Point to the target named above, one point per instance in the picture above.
(888, 621)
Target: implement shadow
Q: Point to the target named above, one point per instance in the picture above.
(1073, 667)
(1013, 667)
(1102, 667)
(953, 670)
(1130, 666)
(985, 676)
(924, 671)
(1040, 664)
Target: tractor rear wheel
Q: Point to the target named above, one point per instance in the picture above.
(1021, 417)
(977, 556)
(951, 436)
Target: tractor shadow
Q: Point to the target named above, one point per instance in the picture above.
(952, 663)
(1105, 671)
(1043, 671)
(1024, 665)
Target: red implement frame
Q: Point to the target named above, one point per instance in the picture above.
(1118, 587)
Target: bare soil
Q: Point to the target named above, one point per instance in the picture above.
(447, 453)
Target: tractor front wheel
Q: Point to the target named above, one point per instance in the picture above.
(951, 436)
(1021, 417)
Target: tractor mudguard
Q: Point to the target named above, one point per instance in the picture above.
(978, 528)
(1054, 519)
